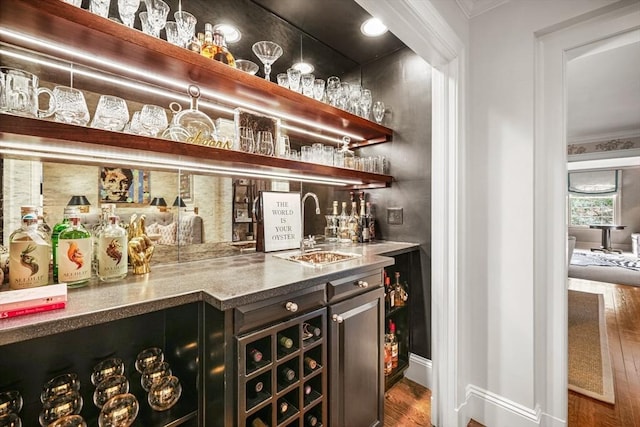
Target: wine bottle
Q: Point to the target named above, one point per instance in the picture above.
(254, 354)
(257, 422)
(255, 389)
(310, 420)
(307, 389)
(287, 375)
(285, 341)
(29, 253)
(310, 363)
(310, 331)
(283, 406)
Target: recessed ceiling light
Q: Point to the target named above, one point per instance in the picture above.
(373, 27)
(231, 33)
(303, 67)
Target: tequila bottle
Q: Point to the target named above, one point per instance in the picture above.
(112, 251)
(75, 248)
(29, 253)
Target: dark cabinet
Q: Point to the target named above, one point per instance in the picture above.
(356, 378)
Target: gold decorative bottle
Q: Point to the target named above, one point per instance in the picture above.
(29, 253)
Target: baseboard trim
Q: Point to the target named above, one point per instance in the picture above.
(495, 410)
(420, 370)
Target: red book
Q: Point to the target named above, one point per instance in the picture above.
(5, 314)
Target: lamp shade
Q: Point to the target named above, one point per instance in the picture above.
(179, 202)
(158, 201)
(78, 201)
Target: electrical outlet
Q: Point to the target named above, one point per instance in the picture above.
(394, 216)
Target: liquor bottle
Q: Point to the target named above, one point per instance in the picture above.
(371, 220)
(29, 253)
(310, 363)
(401, 294)
(389, 293)
(75, 253)
(196, 43)
(343, 228)
(354, 223)
(255, 355)
(257, 422)
(311, 420)
(106, 210)
(388, 360)
(285, 342)
(222, 53)
(112, 251)
(287, 375)
(393, 340)
(349, 156)
(310, 331)
(364, 221)
(208, 50)
(331, 231)
(42, 224)
(55, 233)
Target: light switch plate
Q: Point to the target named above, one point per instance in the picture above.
(394, 216)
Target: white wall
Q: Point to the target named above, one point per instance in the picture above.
(497, 325)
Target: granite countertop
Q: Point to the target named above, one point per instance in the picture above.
(224, 283)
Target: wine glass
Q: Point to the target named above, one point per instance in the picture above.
(267, 52)
(186, 24)
(378, 111)
(157, 12)
(127, 10)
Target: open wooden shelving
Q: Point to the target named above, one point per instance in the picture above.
(68, 33)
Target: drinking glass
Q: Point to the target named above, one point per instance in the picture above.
(147, 357)
(154, 373)
(20, 93)
(267, 52)
(111, 113)
(316, 152)
(76, 3)
(171, 31)
(59, 386)
(144, 21)
(338, 158)
(157, 12)
(60, 406)
(134, 125)
(265, 143)
(107, 368)
(365, 103)
(294, 79)
(71, 106)
(305, 153)
(378, 111)
(165, 393)
(354, 99)
(100, 7)
(307, 80)
(186, 23)
(69, 421)
(327, 155)
(248, 67)
(10, 420)
(120, 410)
(246, 143)
(109, 387)
(283, 80)
(333, 89)
(127, 10)
(343, 96)
(284, 148)
(318, 89)
(10, 402)
(153, 120)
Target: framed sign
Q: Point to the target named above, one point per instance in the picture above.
(282, 220)
(123, 185)
(186, 186)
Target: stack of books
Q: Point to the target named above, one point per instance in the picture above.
(32, 300)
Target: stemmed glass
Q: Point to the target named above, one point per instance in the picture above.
(127, 10)
(100, 7)
(267, 52)
(157, 12)
(378, 111)
(186, 24)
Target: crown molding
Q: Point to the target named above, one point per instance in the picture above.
(605, 136)
(473, 8)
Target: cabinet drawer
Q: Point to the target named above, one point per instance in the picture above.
(346, 287)
(263, 313)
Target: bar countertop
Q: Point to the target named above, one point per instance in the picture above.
(224, 283)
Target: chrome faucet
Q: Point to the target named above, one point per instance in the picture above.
(310, 241)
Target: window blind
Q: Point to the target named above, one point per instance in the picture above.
(594, 182)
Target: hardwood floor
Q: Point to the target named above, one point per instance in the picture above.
(622, 310)
(407, 404)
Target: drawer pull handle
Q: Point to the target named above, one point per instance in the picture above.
(337, 318)
(362, 284)
(291, 306)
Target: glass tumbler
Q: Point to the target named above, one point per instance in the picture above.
(283, 80)
(153, 120)
(119, 411)
(127, 10)
(106, 369)
(111, 113)
(10, 402)
(109, 387)
(10, 420)
(171, 31)
(246, 141)
(327, 155)
(71, 106)
(307, 81)
(378, 111)
(294, 79)
(318, 89)
(147, 357)
(154, 373)
(316, 152)
(305, 153)
(165, 393)
(284, 148)
(100, 7)
(59, 386)
(265, 143)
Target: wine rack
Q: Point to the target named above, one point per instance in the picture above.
(287, 384)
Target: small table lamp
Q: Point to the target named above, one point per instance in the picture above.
(178, 202)
(160, 203)
(81, 202)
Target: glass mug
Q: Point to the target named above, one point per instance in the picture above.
(71, 106)
(20, 94)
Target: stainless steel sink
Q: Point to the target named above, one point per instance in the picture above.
(319, 258)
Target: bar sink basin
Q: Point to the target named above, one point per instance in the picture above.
(319, 258)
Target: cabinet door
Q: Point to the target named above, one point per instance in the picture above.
(356, 328)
